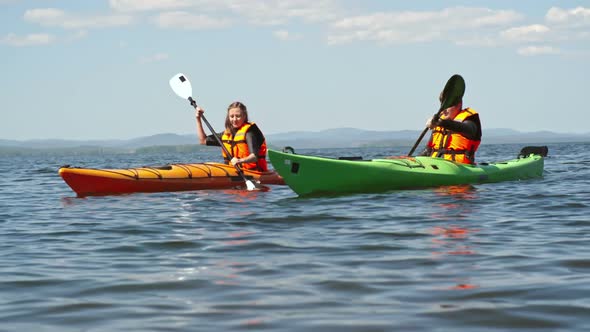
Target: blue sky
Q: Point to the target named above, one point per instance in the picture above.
(99, 69)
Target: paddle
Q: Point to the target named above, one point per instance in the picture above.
(451, 95)
(182, 87)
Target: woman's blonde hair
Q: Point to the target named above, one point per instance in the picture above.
(242, 107)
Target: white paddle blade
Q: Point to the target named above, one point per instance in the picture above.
(181, 86)
(250, 185)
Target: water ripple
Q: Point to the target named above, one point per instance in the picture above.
(504, 256)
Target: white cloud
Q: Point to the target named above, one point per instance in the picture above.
(569, 24)
(286, 35)
(527, 33)
(185, 20)
(53, 17)
(563, 26)
(153, 58)
(419, 26)
(147, 5)
(44, 15)
(269, 12)
(463, 26)
(257, 12)
(574, 17)
(488, 17)
(28, 40)
(537, 50)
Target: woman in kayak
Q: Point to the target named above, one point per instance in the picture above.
(456, 134)
(243, 139)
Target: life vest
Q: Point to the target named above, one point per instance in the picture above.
(452, 145)
(238, 147)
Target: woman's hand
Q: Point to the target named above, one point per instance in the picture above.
(249, 159)
(235, 161)
(199, 112)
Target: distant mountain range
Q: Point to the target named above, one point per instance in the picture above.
(330, 138)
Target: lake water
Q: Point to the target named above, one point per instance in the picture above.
(491, 257)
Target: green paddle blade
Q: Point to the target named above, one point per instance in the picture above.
(453, 92)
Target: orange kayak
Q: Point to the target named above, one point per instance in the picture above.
(173, 177)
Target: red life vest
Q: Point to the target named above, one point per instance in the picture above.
(238, 147)
(454, 146)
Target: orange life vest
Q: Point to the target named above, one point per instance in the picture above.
(452, 145)
(238, 147)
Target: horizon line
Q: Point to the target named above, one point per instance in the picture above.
(278, 133)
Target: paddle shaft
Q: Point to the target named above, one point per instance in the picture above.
(436, 116)
(418, 141)
(239, 170)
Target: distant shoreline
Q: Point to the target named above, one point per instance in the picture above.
(333, 138)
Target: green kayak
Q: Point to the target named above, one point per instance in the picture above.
(312, 175)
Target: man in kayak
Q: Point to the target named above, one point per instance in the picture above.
(243, 139)
(456, 134)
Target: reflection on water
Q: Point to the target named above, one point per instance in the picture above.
(454, 241)
(241, 195)
(455, 202)
(460, 192)
(227, 272)
(452, 238)
(235, 238)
